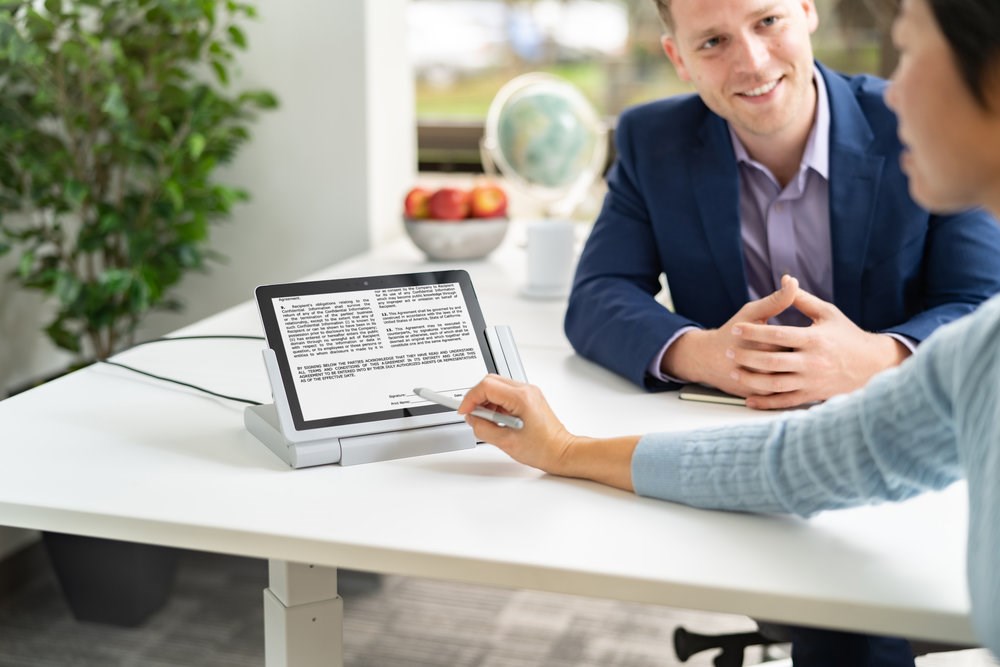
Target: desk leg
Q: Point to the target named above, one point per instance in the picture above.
(303, 616)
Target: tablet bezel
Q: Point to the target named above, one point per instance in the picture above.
(396, 418)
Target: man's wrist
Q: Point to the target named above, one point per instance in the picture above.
(655, 368)
(678, 360)
(909, 344)
(890, 352)
(900, 350)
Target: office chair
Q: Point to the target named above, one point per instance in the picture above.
(733, 645)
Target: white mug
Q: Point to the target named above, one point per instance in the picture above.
(551, 256)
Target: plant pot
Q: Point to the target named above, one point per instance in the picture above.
(112, 582)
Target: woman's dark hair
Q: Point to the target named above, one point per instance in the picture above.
(972, 28)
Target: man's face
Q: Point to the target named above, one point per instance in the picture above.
(750, 60)
(952, 155)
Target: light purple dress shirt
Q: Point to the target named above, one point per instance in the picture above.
(785, 230)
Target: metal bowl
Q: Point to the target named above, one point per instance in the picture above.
(447, 240)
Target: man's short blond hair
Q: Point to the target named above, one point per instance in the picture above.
(663, 9)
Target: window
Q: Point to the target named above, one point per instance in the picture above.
(463, 51)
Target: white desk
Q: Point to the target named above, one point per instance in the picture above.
(106, 453)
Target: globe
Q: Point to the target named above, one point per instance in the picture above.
(545, 138)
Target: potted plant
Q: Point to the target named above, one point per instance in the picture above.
(114, 117)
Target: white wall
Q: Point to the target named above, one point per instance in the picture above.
(25, 352)
(326, 171)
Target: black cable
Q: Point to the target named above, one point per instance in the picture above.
(187, 384)
(205, 337)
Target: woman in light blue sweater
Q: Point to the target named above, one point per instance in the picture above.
(921, 426)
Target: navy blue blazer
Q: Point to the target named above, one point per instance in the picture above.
(672, 208)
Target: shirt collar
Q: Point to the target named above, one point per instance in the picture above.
(817, 153)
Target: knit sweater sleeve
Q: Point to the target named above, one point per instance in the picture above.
(889, 441)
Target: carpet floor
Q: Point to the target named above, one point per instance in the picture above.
(214, 618)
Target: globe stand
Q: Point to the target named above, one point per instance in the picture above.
(550, 242)
(546, 140)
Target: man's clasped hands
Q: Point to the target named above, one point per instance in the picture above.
(777, 366)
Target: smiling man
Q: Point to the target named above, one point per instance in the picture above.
(777, 166)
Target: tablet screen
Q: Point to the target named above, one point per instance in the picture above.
(352, 350)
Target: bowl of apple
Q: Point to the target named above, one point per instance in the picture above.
(452, 223)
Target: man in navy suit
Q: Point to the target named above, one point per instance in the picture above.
(777, 166)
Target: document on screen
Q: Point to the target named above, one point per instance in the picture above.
(362, 351)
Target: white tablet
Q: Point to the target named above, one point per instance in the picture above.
(350, 351)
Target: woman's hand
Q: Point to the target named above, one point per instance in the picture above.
(544, 443)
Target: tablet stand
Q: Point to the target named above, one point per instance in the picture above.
(262, 421)
(272, 423)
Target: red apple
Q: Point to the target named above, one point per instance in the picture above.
(449, 204)
(417, 203)
(488, 201)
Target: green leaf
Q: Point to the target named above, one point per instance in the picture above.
(109, 222)
(17, 49)
(165, 124)
(114, 104)
(63, 337)
(262, 99)
(5, 248)
(193, 232)
(230, 196)
(75, 192)
(53, 7)
(173, 192)
(237, 37)
(67, 288)
(26, 264)
(115, 281)
(189, 257)
(40, 28)
(74, 53)
(139, 297)
(196, 145)
(220, 71)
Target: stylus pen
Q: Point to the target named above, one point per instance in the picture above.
(510, 421)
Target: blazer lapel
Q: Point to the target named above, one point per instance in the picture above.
(716, 191)
(855, 175)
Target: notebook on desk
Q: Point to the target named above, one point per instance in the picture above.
(699, 392)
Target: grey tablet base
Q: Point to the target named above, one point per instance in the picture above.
(373, 441)
(262, 421)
